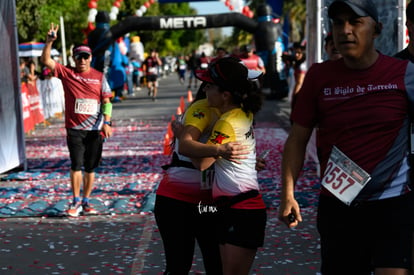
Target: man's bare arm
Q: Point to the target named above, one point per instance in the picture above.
(46, 58)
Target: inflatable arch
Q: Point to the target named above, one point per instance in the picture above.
(265, 31)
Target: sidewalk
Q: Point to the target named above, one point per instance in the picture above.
(124, 239)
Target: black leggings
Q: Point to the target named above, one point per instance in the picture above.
(180, 225)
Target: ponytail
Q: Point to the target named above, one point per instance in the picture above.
(250, 98)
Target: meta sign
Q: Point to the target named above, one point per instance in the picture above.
(187, 22)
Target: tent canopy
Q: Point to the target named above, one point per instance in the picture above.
(34, 49)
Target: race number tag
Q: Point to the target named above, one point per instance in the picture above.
(86, 106)
(343, 177)
(153, 70)
(207, 179)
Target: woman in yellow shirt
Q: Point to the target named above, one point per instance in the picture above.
(234, 91)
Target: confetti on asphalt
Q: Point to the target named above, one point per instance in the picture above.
(125, 183)
(129, 172)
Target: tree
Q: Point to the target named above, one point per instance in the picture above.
(297, 14)
(34, 18)
(28, 18)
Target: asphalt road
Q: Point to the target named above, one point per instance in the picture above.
(130, 244)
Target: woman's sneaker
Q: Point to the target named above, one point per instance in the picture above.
(88, 209)
(74, 209)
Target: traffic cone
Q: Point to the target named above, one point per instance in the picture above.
(189, 96)
(182, 104)
(169, 130)
(179, 111)
(167, 145)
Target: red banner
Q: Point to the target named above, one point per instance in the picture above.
(27, 118)
(36, 108)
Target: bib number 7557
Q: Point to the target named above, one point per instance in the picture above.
(343, 177)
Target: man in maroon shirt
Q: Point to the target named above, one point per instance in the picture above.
(88, 112)
(359, 104)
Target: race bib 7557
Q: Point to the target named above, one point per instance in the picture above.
(343, 177)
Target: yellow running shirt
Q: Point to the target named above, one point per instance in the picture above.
(183, 183)
(232, 178)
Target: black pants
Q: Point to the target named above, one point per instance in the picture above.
(357, 239)
(181, 225)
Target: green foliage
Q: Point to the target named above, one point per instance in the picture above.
(297, 14)
(28, 18)
(34, 18)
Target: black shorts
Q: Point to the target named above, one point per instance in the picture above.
(152, 78)
(242, 227)
(135, 79)
(357, 239)
(85, 149)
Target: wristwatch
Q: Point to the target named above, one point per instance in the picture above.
(108, 123)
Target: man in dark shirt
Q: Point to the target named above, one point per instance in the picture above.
(192, 66)
(408, 53)
(150, 68)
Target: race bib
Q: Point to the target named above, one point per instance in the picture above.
(204, 65)
(86, 106)
(153, 70)
(343, 177)
(207, 179)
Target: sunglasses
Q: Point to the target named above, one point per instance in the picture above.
(82, 56)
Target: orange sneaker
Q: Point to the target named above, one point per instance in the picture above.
(88, 209)
(74, 209)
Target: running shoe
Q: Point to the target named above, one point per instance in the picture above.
(151, 91)
(116, 99)
(74, 209)
(88, 209)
